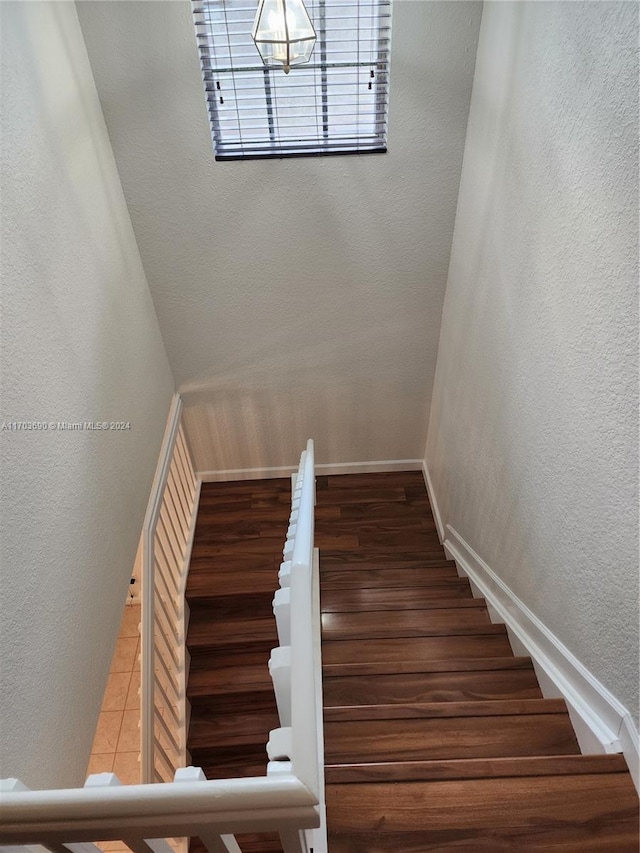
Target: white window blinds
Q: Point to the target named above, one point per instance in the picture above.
(335, 104)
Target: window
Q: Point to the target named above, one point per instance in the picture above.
(335, 104)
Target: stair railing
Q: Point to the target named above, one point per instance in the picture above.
(167, 536)
(295, 666)
(153, 818)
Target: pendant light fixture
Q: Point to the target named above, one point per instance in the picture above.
(283, 33)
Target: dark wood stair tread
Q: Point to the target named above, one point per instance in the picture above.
(590, 813)
(242, 678)
(485, 736)
(424, 560)
(215, 583)
(430, 687)
(205, 631)
(493, 643)
(407, 623)
(372, 577)
(424, 710)
(232, 729)
(369, 600)
(474, 768)
(416, 665)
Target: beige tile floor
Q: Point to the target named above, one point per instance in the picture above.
(116, 745)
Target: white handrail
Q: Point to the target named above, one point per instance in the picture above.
(296, 665)
(304, 745)
(224, 806)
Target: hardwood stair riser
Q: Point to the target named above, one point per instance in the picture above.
(249, 726)
(234, 703)
(417, 648)
(368, 600)
(376, 578)
(416, 665)
(259, 605)
(220, 633)
(398, 558)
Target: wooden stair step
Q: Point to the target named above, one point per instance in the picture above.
(374, 560)
(532, 728)
(371, 480)
(406, 623)
(449, 686)
(207, 586)
(349, 493)
(417, 523)
(374, 510)
(264, 546)
(417, 665)
(425, 710)
(334, 578)
(423, 540)
(236, 702)
(207, 663)
(490, 644)
(252, 605)
(208, 630)
(245, 677)
(391, 598)
(232, 730)
(582, 813)
(474, 768)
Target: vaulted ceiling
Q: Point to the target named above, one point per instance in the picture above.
(295, 297)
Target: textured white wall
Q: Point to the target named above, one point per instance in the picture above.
(296, 297)
(533, 434)
(80, 341)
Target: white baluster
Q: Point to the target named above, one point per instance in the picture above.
(294, 841)
(284, 575)
(137, 845)
(214, 843)
(282, 612)
(280, 672)
(279, 744)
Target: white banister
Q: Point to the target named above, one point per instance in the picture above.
(225, 806)
(295, 666)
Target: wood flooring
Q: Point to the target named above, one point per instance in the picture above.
(437, 737)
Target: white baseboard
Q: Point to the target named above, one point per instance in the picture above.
(602, 724)
(377, 466)
(433, 501)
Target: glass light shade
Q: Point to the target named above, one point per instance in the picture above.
(283, 33)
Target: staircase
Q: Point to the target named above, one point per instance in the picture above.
(436, 736)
